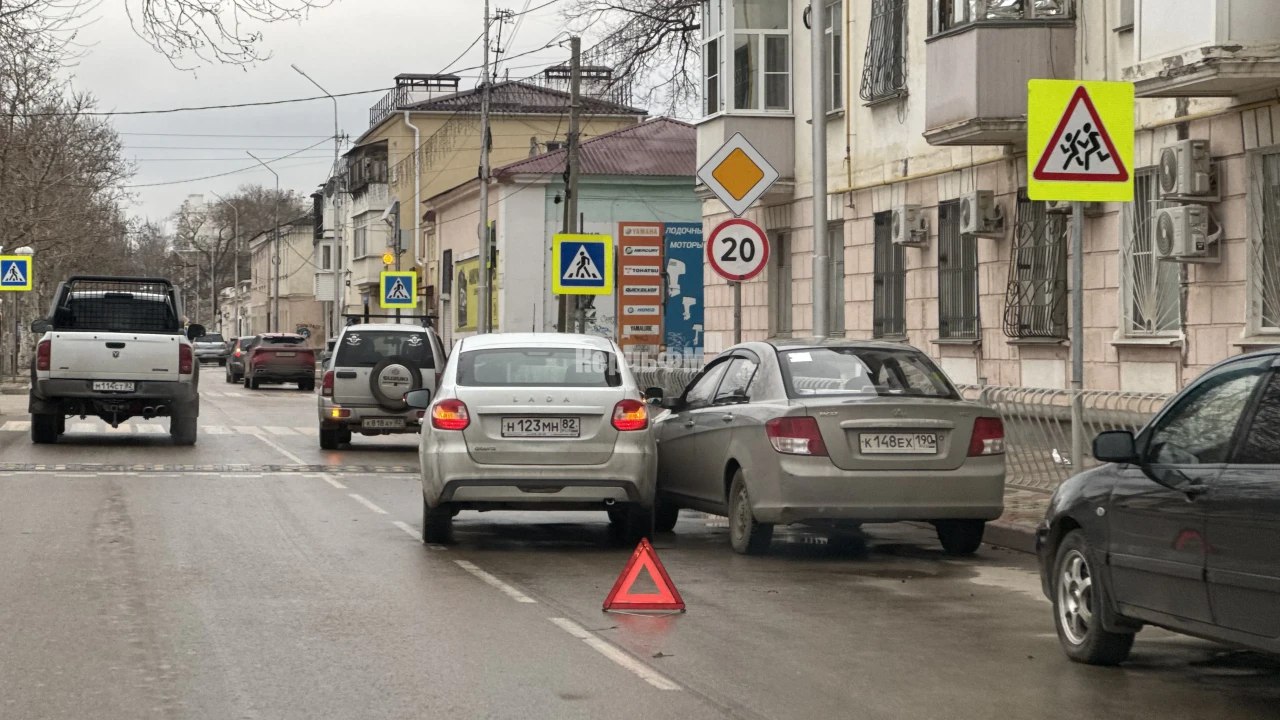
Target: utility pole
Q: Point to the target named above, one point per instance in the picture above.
(571, 315)
(335, 255)
(235, 256)
(482, 314)
(821, 261)
(274, 325)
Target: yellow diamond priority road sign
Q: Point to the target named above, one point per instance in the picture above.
(738, 174)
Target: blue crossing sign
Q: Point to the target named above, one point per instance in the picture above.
(582, 264)
(15, 272)
(399, 290)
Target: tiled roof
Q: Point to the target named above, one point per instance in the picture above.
(658, 147)
(521, 98)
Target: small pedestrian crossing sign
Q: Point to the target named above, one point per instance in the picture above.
(583, 265)
(15, 272)
(399, 290)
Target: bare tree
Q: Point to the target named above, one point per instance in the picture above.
(652, 45)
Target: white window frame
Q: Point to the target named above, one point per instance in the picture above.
(1255, 315)
(709, 8)
(833, 36)
(326, 257)
(728, 35)
(360, 238)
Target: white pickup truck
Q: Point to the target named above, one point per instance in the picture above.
(114, 347)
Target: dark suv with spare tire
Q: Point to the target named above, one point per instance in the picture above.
(372, 367)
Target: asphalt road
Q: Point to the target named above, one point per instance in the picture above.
(256, 576)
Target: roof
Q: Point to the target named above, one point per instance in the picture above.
(549, 340)
(514, 97)
(388, 326)
(659, 147)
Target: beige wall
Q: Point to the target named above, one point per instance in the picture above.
(298, 306)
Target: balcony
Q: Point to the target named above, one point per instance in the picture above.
(1215, 48)
(410, 89)
(976, 77)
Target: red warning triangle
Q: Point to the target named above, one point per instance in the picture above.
(622, 598)
(1081, 148)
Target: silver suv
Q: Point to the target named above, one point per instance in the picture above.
(372, 367)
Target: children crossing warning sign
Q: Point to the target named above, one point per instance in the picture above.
(15, 272)
(582, 265)
(1080, 140)
(399, 290)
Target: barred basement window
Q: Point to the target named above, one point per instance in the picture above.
(1036, 300)
(884, 74)
(1149, 289)
(957, 276)
(889, 304)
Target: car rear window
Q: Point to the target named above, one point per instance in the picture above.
(215, 338)
(538, 367)
(284, 340)
(861, 371)
(366, 348)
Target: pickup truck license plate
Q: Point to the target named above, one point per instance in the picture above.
(517, 427)
(383, 423)
(101, 386)
(898, 443)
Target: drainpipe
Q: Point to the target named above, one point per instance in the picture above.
(417, 195)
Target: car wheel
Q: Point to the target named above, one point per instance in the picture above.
(747, 536)
(245, 381)
(183, 430)
(252, 383)
(329, 438)
(665, 516)
(230, 378)
(630, 523)
(960, 537)
(44, 429)
(437, 524)
(307, 386)
(1078, 599)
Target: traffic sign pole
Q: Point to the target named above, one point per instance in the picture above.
(1077, 336)
(737, 313)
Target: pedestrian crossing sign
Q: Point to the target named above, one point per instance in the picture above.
(15, 272)
(399, 290)
(582, 264)
(1080, 140)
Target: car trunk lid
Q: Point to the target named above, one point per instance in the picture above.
(895, 433)
(541, 426)
(113, 356)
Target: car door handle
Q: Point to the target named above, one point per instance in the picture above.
(688, 423)
(346, 374)
(727, 417)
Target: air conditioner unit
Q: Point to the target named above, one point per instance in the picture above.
(1187, 171)
(980, 215)
(910, 226)
(1181, 233)
(1063, 207)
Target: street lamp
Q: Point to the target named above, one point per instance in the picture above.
(275, 260)
(336, 256)
(235, 259)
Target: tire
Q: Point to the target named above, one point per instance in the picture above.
(437, 524)
(746, 536)
(183, 429)
(330, 438)
(960, 537)
(230, 378)
(631, 524)
(665, 516)
(386, 402)
(44, 428)
(245, 380)
(344, 436)
(307, 386)
(1079, 597)
(251, 383)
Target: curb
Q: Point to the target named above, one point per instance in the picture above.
(1010, 536)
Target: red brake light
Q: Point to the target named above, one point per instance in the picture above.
(796, 436)
(184, 360)
(44, 355)
(988, 437)
(326, 385)
(237, 352)
(450, 415)
(630, 415)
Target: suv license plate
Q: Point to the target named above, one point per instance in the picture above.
(898, 443)
(543, 427)
(100, 386)
(383, 423)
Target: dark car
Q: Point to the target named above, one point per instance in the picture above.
(280, 358)
(238, 353)
(1181, 529)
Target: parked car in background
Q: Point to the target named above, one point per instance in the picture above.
(237, 353)
(364, 384)
(537, 421)
(832, 434)
(1181, 528)
(280, 358)
(211, 348)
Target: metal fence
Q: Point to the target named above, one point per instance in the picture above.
(1037, 422)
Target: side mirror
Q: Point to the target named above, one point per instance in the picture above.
(654, 395)
(418, 399)
(1115, 446)
(195, 331)
(41, 326)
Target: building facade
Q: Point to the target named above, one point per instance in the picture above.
(932, 238)
(300, 312)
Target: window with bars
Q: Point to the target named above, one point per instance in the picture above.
(833, 34)
(780, 286)
(1036, 299)
(1149, 289)
(1264, 285)
(835, 284)
(947, 14)
(957, 276)
(884, 69)
(889, 297)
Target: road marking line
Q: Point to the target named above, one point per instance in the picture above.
(365, 502)
(274, 430)
(17, 426)
(508, 590)
(84, 428)
(279, 448)
(407, 530)
(151, 429)
(616, 654)
(246, 430)
(217, 430)
(333, 481)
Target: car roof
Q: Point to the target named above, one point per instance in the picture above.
(392, 327)
(550, 340)
(815, 342)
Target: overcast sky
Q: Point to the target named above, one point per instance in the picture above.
(346, 47)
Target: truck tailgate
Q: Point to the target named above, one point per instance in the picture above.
(114, 356)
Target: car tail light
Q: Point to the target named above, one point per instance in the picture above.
(185, 364)
(796, 436)
(630, 415)
(44, 355)
(988, 437)
(338, 413)
(450, 415)
(237, 352)
(326, 385)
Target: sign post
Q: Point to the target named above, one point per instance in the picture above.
(1079, 149)
(738, 251)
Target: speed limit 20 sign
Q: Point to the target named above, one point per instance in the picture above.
(738, 250)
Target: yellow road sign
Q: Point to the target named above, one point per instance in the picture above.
(388, 258)
(582, 264)
(738, 174)
(1079, 140)
(399, 289)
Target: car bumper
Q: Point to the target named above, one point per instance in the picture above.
(77, 396)
(270, 375)
(210, 356)
(812, 489)
(450, 475)
(357, 414)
